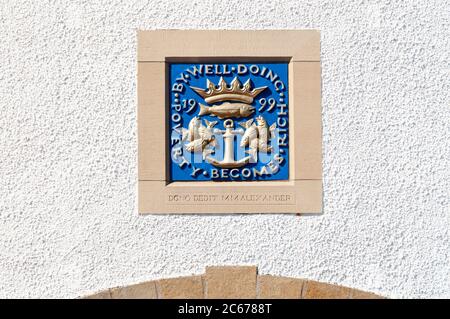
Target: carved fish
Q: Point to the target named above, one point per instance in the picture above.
(200, 136)
(265, 133)
(192, 132)
(207, 132)
(250, 133)
(199, 145)
(206, 152)
(227, 110)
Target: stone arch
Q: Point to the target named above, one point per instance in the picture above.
(233, 282)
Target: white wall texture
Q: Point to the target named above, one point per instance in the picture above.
(68, 176)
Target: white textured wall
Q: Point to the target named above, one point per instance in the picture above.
(68, 219)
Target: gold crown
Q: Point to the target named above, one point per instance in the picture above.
(224, 92)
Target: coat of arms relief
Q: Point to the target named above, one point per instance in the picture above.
(229, 122)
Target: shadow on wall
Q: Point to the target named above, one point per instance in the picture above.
(233, 282)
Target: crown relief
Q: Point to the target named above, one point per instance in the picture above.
(224, 92)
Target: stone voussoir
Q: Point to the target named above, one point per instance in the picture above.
(181, 288)
(231, 282)
(273, 287)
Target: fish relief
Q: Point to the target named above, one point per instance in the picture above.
(228, 122)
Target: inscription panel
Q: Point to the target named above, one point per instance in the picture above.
(230, 198)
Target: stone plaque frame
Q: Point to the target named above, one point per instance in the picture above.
(302, 193)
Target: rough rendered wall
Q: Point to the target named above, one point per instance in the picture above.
(68, 176)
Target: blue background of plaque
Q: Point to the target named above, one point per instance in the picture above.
(184, 174)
